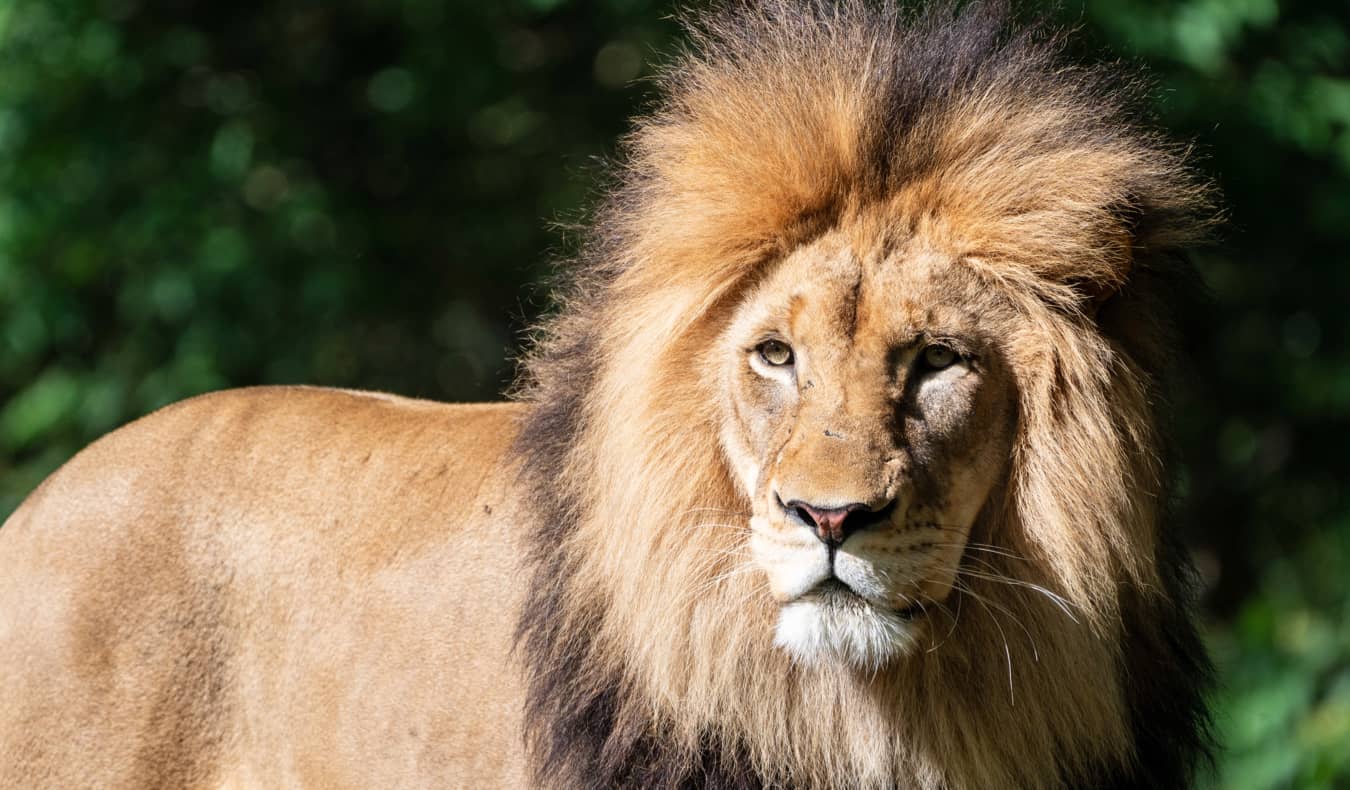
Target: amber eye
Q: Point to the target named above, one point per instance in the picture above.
(775, 352)
(938, 357)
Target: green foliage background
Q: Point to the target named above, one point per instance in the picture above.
(201, 195)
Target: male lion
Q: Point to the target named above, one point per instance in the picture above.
(839, 467)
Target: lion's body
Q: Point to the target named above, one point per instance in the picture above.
(842, 465)
(268, 588)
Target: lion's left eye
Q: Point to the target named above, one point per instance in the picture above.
(775, 352)
(938, 357)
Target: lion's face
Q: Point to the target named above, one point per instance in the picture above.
(871, 418)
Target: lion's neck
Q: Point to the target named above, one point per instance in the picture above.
(644, 685)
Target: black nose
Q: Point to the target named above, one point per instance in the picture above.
(833, 525)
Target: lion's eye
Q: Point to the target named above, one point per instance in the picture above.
(775, 352)
(938, 357)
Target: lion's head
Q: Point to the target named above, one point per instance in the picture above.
(869, 415)
(846, 442)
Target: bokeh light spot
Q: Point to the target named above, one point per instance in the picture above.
(392, 90)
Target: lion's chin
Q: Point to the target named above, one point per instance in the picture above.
(844, 628)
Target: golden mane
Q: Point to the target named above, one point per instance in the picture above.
(648, 648)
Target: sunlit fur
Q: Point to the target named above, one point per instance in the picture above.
(649, 638)
(813, 633)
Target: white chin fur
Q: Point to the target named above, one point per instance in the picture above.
(859, 635)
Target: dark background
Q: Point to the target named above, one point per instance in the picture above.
(196, 195)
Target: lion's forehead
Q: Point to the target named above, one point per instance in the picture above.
(834, 293)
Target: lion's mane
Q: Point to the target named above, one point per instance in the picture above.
(646, 637)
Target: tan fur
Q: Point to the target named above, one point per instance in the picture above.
(267, 588)
(308, 587)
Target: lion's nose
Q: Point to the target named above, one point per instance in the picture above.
(833, 525)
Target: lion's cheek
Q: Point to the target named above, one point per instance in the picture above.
(792, 565)
(742, 462)
(749, 427)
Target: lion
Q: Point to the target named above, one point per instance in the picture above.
(842, 463)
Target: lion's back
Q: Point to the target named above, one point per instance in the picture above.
(187, 578)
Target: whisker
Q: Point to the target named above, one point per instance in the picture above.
(991, 549)
(956, 619)
(980, 547)
(937, 526)
(712, 583)
(955, 622)
(737, 513)
(736, 527)
(1058, 600)
(917, 584)
(1035, 652)
(1007, 652)
(733, 551)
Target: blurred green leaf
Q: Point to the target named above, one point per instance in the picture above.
(38, 408)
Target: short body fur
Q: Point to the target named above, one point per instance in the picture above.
(293, 586)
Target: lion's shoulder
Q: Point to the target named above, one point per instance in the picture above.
(285, 445)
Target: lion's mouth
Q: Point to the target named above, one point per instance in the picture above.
(833, 592)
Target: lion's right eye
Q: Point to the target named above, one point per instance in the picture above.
(939, 357)
(776, 353)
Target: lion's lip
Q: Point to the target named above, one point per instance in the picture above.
(834, 591)
(831, 587)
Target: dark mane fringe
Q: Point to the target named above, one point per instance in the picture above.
(573, 730)
(1169, 672)
(576, 730)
